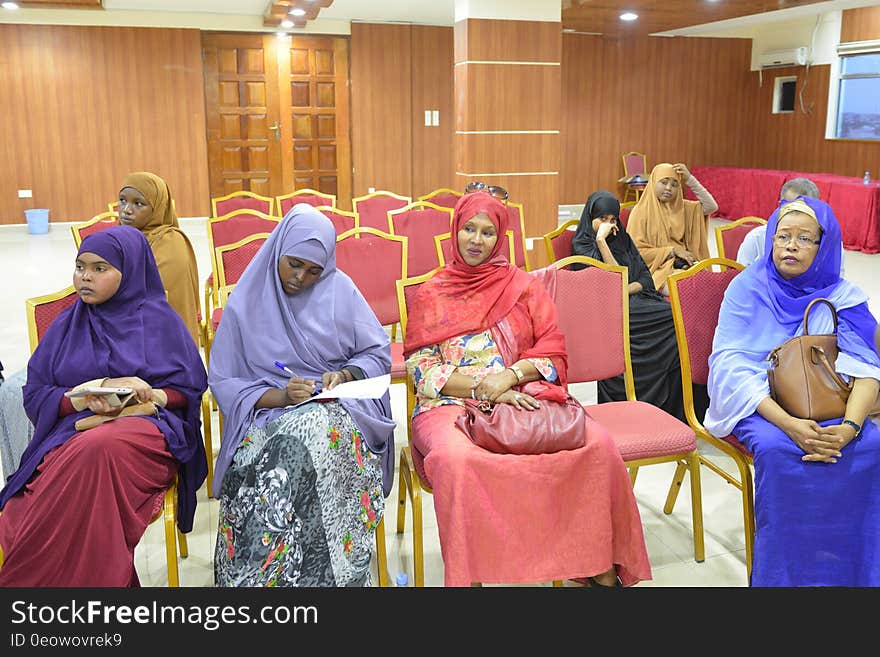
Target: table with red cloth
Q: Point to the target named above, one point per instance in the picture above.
(742, 192)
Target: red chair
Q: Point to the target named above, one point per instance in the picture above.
(696, 294)
(97, 223)
(113, 207)
(517, 225)
(342, 220)
(729, 238)
(420, 222)
(635, 165)
(41, 312)
(304, 195)
(443, 196)
(558, 241)
(242, 200)
(373, 208)
(375, 260)
(599, 349)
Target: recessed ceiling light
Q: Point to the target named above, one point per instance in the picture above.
(9, 5)
(628, 16)
(286, 24)
(297, 11)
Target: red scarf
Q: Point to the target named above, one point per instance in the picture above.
(461, 299)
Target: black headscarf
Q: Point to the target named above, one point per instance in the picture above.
(599, 204)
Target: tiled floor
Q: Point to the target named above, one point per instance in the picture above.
(39, 264)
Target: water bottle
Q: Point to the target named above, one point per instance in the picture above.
(867, 179)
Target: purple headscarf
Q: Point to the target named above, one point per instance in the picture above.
(325, 327)
(134, 333)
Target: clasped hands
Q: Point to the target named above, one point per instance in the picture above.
(679, 252)
(821, 444)
(498, 389)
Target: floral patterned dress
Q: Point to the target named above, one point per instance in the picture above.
(300, 503)
(474, 354)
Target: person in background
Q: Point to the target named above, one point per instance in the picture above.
(670, 231)
(145, 203)
(653, 345)
(752, 247)
(91, 481)
(302, 486)
(817, 512)
(483, 326)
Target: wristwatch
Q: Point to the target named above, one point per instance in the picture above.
(516, 370)
(854, 425)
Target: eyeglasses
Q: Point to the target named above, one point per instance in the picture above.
(802, 241)
(494, 190)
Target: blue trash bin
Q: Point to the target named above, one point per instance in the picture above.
(37, 221)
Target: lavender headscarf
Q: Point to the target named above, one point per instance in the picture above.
(134, 333)
(761, 310)
(325, 327)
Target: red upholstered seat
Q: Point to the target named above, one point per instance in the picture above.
(420, 222)
(443, 197)
(398, 363)
(557, 243)
(305, 195)
(643, 431)
(372, 209)
(242, 200)
(729, 238)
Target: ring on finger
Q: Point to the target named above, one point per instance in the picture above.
(517, 397)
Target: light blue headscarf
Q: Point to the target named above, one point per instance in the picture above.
(761, 310)
(325, 327)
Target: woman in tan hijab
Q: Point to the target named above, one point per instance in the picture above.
(671, 232)
(145, 203)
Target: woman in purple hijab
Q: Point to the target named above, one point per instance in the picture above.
(301, 488)
(81, 499)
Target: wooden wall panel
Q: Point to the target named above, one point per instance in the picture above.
(502, 40)
(797, 141)
(675, 99)
(381, 101)
(860, 24)
(518, 152)
(507, 97)
(432, 147)
(84, 106)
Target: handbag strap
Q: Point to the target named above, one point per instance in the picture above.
(818, 355)
(812, 303)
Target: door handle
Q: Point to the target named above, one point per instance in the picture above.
(276, 128)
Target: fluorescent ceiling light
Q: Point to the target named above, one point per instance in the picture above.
(628, 16)
(286, 24)
(9, 5)
(297, 11)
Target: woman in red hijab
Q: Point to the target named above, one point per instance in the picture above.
(479, 327)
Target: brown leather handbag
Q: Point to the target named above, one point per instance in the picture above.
(506, 429)
(802, 376)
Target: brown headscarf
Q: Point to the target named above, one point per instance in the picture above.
(171, 248)
(657, 227)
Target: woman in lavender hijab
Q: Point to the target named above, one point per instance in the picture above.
(302, 488)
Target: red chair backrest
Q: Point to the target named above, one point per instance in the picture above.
(228, 230)
(733, 238)
(634, 164)
(372, 211)
(594, 347)
(341, 222)
(562, 244)
(374, 263)
(420, 225)
(624, 215)
(700, 297)
(445, 199)
(45, 313)
(243, 202)
(97, 227)
(312, 199)
(235, 261)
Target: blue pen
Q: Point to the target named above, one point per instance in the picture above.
(281, 366)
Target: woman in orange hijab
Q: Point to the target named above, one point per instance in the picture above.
(670, 231)
(145, 203)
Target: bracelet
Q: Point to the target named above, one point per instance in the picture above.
(854, 425)
(516, 370)
(473, 395)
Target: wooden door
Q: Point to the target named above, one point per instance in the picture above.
(277, 114)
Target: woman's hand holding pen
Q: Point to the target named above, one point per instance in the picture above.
(299, 389)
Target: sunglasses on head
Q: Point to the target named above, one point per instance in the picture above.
(493, 190)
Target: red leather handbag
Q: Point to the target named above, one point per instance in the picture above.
(506, 429)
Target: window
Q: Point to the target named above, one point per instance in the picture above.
(784, 89)
(858, 100)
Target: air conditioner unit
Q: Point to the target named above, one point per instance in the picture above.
(790, 57)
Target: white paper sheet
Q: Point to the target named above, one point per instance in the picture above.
(371, 388)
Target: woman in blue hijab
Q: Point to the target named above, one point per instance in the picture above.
(301, 488)
(82, 497)
(817, 511)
